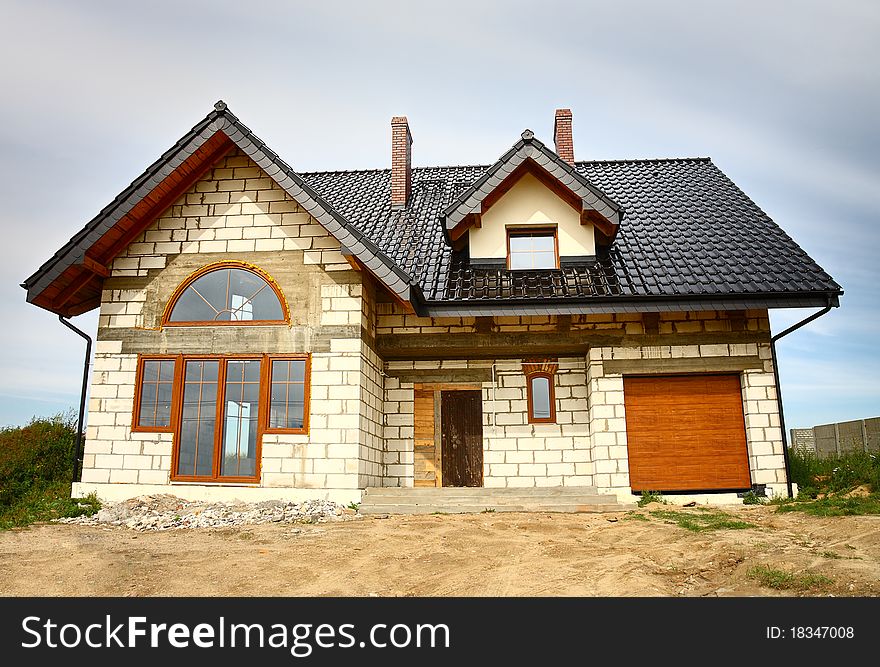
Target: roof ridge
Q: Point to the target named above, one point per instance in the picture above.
(696, 158)
(646, 159)
(343, 171)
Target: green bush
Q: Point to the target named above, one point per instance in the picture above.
(36, 464)
(834, 474)
(32, 455)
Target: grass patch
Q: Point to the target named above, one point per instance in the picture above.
(651, 497)
(45, 503)
(752, 498)
(832, 478)
(788, 581)
(702, 521)
(635, 516)
(833, 505)
(36, 462)
(835, 474)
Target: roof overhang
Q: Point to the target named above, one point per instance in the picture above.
(70, 283)
(632, 304)
(529, 155)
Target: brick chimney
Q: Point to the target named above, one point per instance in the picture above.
(401, 162)
(562, 135)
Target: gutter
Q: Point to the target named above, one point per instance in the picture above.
(623, 304)
(831, 304)
(82, 398)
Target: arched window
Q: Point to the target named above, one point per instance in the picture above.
(227, 293)
(541, 398)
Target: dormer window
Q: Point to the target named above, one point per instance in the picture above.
(529, 249)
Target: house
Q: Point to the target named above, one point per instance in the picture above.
(538, 322)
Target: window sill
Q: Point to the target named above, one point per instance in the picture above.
(255, 483)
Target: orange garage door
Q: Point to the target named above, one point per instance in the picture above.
(686, 433)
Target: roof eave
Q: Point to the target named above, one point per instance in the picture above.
(631, 304)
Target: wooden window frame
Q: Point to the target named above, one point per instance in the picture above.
(307, 389)
(262, 417)
(136, 426)
(218, 266)
(550, 383)
(531, 231)
(215, 477)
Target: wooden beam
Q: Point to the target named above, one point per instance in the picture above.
(95, 267)
(599, 221)
(352, 261)
(462, 227)
(438, 439)
(74, 286)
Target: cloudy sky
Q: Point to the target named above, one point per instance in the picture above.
(784, 96)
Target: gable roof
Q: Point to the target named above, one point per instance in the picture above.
(690, 239)
(529, 150)
(70, 282)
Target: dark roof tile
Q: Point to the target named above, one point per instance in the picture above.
(688, 232)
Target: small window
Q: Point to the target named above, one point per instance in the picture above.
(532, 249)
(227, 294)
(155, 393)
(289, 395)
(542, 402)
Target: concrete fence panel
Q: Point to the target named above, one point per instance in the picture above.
(859, 435)
(872, 434)
(826, 442)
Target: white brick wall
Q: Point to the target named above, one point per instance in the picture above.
(608, 423)
(225, 213)
(515, 453)
(236, 209)
(519, 454)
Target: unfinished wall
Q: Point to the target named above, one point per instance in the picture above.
(237, 213)
(607, 367)
(515, 453)
(588, 443)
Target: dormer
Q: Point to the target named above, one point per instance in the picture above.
(532, 209)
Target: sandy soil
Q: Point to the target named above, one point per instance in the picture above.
(484, 554)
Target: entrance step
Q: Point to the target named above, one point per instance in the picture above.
(466, 500)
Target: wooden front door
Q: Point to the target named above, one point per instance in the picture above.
(461, 427)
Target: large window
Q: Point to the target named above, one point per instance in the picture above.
(226, 293)
(532, 249)
(218, 407)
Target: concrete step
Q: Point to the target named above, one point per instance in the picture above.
(457, 499)
(440, 508)
(411, 492)
(472, 500)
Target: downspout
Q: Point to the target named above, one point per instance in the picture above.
(794, 327)
(82, 397)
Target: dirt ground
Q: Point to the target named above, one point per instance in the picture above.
(483, 554)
